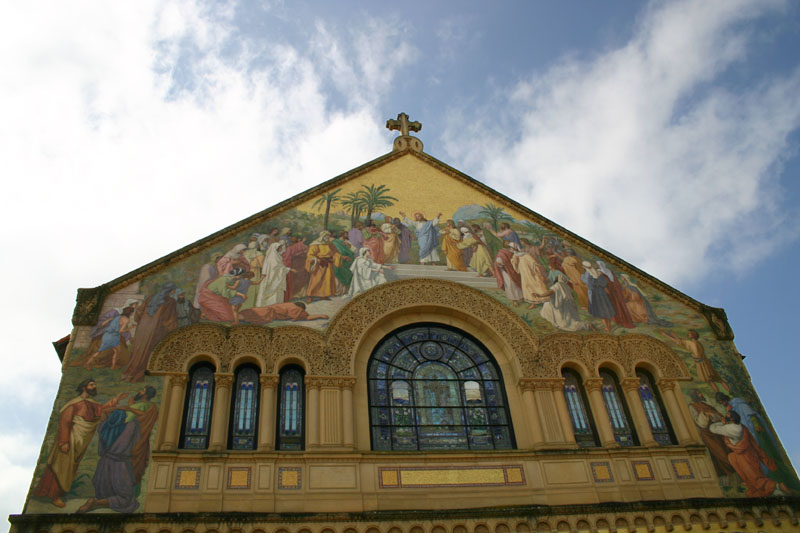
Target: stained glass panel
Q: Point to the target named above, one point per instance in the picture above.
(617, 411)
(432, 395)
(197, 419)
(291, 409)
(245, 409)
(579, 414)
(654, 410)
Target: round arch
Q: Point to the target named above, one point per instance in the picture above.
(363, 322)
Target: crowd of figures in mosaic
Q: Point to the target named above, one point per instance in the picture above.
(305, 263)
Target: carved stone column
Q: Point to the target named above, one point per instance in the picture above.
(594, 388)
(266, 416)
(312, 412)
(172, 422)
(348, 436)
(677, 416)
(221, 410)
(527, 386)
(631, 388)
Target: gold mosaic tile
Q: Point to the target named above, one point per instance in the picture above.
(389, 478)
(239, 477)
(643, 471)
(290, 478)
(515, 476)
(187, 477)
(682, 468)
(601, 472)
(467, 476)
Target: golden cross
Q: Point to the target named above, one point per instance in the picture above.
(403, 125)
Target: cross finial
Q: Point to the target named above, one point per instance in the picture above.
(403, 125)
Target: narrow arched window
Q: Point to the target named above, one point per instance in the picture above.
(244, 413)
(435, 388)
(618, 413)
(579, 413)
(291, 403)
(197, 413)
(654, 409)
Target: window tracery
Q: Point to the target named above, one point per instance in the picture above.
(654, 409)
(580, 414)
(291, 409)
(197, 414)
(245, 405)
(617, 408)
(435, 388)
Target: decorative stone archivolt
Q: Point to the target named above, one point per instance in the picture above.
(226, 344)
(333, 353)
(624, 352)
(355, 318)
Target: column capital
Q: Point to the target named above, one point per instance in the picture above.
(630, 384)
(593, 384)
(667, 384)
(269, 380)
(223, 381)
(178, 380)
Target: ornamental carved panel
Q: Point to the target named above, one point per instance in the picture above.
(226, 344)
(359, 315)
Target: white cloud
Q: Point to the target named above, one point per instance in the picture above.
(18, 453)
(379, 52)
(641, 151)
(132, 129)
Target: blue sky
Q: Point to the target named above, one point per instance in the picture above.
(665, 132)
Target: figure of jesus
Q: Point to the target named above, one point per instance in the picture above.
(427, 236)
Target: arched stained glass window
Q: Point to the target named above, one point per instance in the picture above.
(197, 414)
(291, 403)
(618, 412)
(436, 388)
(579, 413)
(244, 414)
(654, 409)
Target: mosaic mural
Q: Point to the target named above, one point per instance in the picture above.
(303, 264)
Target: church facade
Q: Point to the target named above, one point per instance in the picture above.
(402, 349)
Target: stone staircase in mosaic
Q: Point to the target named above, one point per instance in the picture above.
(439, 272)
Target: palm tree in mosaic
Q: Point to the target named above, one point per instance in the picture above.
(354, 203)
(326, 200)
(375, 198)
(495, 213)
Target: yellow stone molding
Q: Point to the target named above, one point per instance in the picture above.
(269, 380)
(593, 384)
(373, 306)
(224, 381)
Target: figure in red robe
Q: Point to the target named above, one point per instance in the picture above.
(746, 457)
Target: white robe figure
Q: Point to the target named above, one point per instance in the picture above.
(560, 310)
(273, 286)
(366, 273)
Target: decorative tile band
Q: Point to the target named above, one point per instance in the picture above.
(187, 478)
(412, 477)
(290, 478)
(682, 468)
(239, 477)
(643, 471)
(601, 472)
